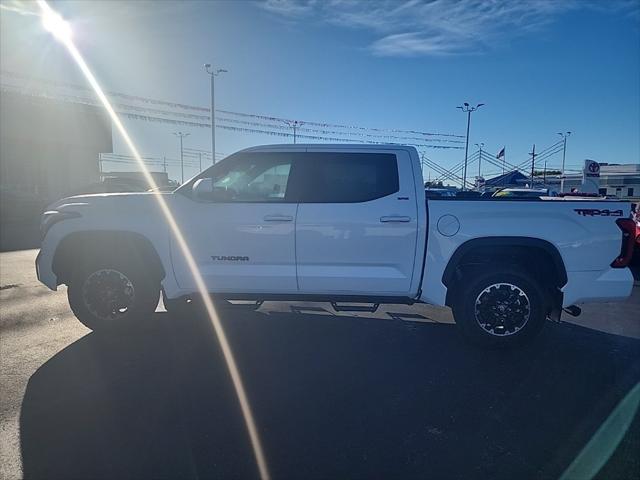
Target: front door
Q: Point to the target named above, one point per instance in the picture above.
(243, 239)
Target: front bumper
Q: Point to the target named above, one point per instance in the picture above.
(44, 270)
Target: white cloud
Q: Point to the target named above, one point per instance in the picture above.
(438, 27)
(290, 8)
(414, 43)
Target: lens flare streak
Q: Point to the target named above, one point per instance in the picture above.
(64, 37)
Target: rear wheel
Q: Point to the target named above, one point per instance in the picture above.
(502, 307)
(109, 291)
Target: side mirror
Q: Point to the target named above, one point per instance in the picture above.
(203, 190)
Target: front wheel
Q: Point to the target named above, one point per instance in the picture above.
(502, 307)
(107, 292)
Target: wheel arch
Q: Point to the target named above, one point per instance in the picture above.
(540, 255)
(93, 242)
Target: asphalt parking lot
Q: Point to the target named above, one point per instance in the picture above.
(397, 394)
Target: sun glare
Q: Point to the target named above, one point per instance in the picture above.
(58, 26)
(54, 23)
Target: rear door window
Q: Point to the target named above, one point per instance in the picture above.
(345, 177)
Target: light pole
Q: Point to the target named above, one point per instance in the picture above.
(294, 124)
(213, 73)
(181, 135)
(468, 109)
(564, 136)
(480, 145)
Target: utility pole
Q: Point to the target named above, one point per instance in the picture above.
(468, 110)
(213, 73)
(533, 162)
(564, 136)
(544, 172)
(181, 135)
(164, 163)
(200, 160)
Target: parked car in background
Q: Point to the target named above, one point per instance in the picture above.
(489, 193)
(163, 188)
(112, 185)
(586, 195)
(468, 194)
(524, 193)
(439, 193)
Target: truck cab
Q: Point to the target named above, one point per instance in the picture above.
(310, 221)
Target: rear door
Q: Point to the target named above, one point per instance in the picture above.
(356, 227)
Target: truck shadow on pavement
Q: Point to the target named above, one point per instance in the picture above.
(333, 397)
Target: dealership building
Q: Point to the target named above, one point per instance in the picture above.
(48, 150)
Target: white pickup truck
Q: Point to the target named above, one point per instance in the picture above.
(341, 224)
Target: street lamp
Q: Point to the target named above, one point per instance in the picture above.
(295, 124)
(480, 145)
(564, 136)
(468, 109)
(213, 73)
(181, 135)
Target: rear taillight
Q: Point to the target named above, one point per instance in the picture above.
(628, 228)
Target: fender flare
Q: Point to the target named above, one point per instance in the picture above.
(501, 242)
(71, 243)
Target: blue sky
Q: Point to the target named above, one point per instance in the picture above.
(539, 66)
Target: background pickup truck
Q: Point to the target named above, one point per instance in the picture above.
(338, 223)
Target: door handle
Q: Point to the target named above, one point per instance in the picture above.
(278, 218)
(395, 219)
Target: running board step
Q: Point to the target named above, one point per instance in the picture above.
(355, 308)
(573, 310)
(239, 305)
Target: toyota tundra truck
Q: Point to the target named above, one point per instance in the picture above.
(343, 224)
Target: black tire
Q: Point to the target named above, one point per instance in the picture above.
(111, 291)
(501, 307)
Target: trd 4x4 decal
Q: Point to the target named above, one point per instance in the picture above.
(594, 212)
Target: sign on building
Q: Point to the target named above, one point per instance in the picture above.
(590, 177)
